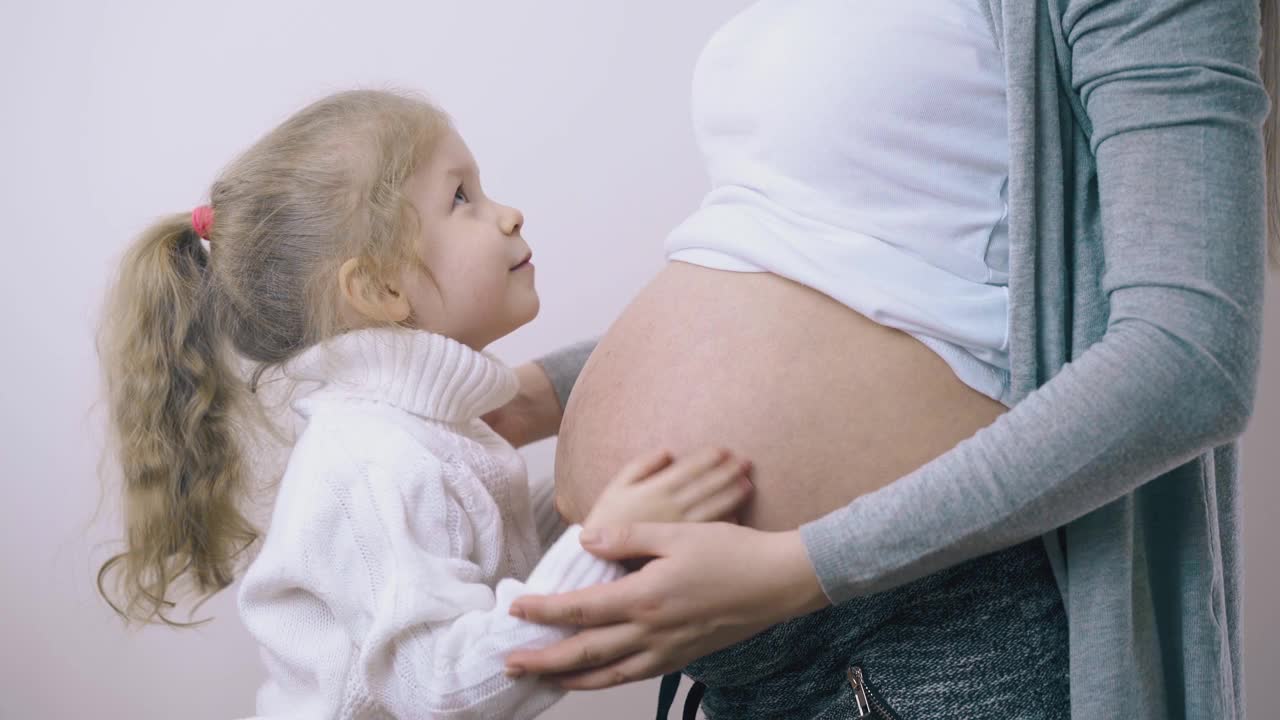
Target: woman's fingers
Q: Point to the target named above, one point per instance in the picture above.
(637, 666)
(629, 542)
(602, 604)
(644, 466)
(588, 650)
(692, 600)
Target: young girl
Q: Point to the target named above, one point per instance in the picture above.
(353, 253)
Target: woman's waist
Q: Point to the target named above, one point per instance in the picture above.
(967, 244)
(828, 404)
(941, 289)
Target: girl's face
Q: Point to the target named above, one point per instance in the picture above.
(475, 282)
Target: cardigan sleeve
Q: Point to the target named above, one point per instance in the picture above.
(564, 365)
(1173, 109)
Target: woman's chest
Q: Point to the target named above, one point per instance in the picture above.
(875, 110)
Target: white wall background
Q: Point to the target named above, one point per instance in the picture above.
(577, 111)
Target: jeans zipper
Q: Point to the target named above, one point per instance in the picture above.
(867, 704)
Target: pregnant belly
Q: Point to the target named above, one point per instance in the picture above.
(826, 403)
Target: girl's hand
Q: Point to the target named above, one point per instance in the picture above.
(533, 414)
(706, 485)
(709, 585)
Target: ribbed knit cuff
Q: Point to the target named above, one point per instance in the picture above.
(567, 566)
(827, 541)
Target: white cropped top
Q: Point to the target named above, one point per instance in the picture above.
(860, 148)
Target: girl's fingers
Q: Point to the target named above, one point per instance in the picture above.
(694, 465)
(719, 479)
(721, 504)
(644, 466)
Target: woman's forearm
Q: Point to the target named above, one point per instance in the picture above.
(1110, 422)
(1175, 116)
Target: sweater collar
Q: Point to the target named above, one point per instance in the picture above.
(424, 373)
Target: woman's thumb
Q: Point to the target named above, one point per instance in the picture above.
(621, 542)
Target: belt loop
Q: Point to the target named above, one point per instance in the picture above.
(667, 694)
(693, 700)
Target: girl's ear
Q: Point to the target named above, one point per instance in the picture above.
(373, 298)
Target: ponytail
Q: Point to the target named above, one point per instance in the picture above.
(170, 395)
(328, 184)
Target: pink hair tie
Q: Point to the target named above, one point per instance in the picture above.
(202, 221)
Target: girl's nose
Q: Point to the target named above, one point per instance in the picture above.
(511, 219)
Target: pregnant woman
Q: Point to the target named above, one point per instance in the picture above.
(978, 289)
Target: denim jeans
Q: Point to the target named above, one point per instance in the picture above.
(985, 639)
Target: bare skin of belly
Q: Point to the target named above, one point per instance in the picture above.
(826, 403)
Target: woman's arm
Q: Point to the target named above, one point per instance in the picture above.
(1176, 106)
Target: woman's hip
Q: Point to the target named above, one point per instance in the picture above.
(984, 639)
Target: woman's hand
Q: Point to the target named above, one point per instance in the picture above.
(533, 414)
(702, 486)
(709, 585)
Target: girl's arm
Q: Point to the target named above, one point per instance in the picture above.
(373, 557)
(550, 523)
(537, 409)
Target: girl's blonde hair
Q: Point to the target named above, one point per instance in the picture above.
(325, 186)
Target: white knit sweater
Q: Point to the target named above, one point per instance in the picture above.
(402, 530)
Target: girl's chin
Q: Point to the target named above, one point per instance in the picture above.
(532, 313)
(526, 310)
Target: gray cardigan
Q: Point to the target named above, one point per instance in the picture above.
(1137, 236)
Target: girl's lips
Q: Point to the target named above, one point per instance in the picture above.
(523, 262)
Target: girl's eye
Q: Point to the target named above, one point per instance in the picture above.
(459, 197)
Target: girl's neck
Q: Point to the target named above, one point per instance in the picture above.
(425, 373)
